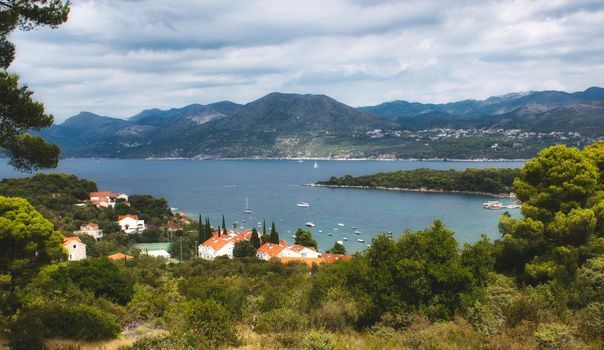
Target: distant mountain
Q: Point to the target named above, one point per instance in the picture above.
(297, 125)
(419, 114)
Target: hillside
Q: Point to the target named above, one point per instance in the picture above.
(302, 125)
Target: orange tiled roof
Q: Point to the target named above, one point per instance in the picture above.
(102, 194)
(119, 256)
(69, 239)
(91, 225)
(331, 258)
(132, 216)
(308, 261)
(216, 243)
(298, 248)
(270, 249)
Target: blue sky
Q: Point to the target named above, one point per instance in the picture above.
(117, 57)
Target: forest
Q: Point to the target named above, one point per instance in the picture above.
(540, 286)
(490, 180)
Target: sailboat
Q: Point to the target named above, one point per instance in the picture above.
(316, 165)
(247, 207)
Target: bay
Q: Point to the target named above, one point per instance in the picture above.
(274, 187)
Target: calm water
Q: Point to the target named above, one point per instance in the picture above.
(214, 188)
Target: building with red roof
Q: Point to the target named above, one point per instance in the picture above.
(76, 250)
(131, 224)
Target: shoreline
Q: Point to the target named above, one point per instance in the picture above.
(422, 190)
(477, 160)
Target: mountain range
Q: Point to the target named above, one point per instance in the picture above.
(301, 125)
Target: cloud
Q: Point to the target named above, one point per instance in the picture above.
(117, 57)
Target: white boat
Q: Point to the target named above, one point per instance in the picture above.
(340, 242)
(320, 231)
(309, 224)
(512, 206)
(247, 207)
(357, 232)
(303, 205)
(341, 224)
(345, 238)
(300, 161)
(353, 227)
(360, 240)
(294, 236)
(493, 205)
(316, 165)
(389, 232)
(336, 229)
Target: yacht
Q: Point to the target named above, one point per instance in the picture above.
(360, 240)
(316, 165)
(341, 224)
(340, 242)
(493, 205)
(357, 232)
(309, 224)
(330, 234)
(247, 207)
(303, 205)
(345, 238)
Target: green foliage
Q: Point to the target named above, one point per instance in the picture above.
(31, 325)
(206, 321)
(27, 240)
(100, 276)
(553, 336)
(20, 112)
(562, 222)
(494, 181)
(304, 238)
(153, 210)
(244, 249)
(282, 320)
(274, 237)
(172, 342)
(337, 249)
(317, 340)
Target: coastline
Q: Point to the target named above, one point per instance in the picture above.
(424, 190)
(476, 160)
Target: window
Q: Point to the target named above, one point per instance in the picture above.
(74, 246)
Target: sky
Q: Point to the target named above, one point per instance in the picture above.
(118, 57)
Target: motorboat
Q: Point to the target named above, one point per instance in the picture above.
(303, 205)
(309, 224)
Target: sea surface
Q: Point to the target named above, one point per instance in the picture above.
(274, 187)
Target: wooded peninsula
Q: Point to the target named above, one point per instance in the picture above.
(490, 181)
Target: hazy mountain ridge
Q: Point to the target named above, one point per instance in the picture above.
(296, 125)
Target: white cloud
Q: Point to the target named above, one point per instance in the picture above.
(116, 57)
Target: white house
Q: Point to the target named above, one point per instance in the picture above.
(267, 251)
(298, 251)
(75, 248)
(131, 224)
(106, 199)
(222, 245)
(157, 250)
(91, 230)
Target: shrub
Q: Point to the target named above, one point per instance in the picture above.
(281, 320)
(206, 321)
(317, 340)
(553, 336)
(172, 342)
(591, 321)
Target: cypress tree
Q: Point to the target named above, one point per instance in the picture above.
(255, 239)
(264, 228)
(224, 229)
(208, 229)
(274, 234)
(201, 234)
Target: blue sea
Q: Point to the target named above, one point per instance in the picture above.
(274, 187)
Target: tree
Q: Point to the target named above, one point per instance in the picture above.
(19, 113)
(274, 237)
(255, 239)
(337, 249)
(305, 238)
(27, 240)
(562, 216)
(224, 229)
(244, 249)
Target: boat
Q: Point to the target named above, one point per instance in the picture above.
(353, 227)
(357, 232)
(303, 205)
(294, 236)
(320, 231)
(336, 229)
(300, 161)
(345, 238)
(389, 232)
(512, 206)
(316, 165)
(330, 234)
(360, 240)
(493, 205)
(340, 242)
(309, 224)
(341, 224)
(247, 207)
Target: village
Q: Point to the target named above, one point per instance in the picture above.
(221, 242)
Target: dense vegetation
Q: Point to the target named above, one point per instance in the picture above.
(541, 286)
(495, 181)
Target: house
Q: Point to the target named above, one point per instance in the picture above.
(106, 199)
(120, 256)
(90, 229)
(131, 224)
(308, 261)
(299, 251)
(331, 258)
(173, 226)
(75, 248)
(222, 245)
(157, 250)
(269, 251)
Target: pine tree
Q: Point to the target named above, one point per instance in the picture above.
(255, 239)
(274, 235)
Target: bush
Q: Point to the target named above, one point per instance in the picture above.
(281, 320)
(207, 321)
(172, 342)
(591, 321)
(553, 336)
(317, 340)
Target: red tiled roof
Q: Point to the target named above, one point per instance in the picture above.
(331, 258)
(132, 216)
(216, 243)
(119, 256)
(66, 240)
(270, 249)
(308, 261)
(298, 248)
(102, 194)
(91, 225)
